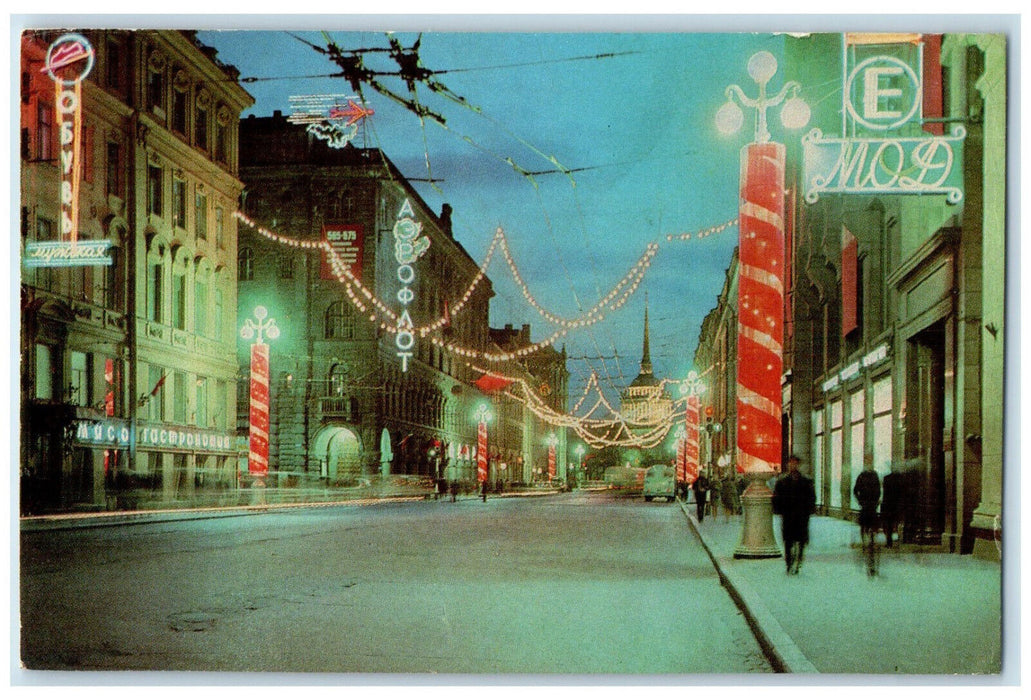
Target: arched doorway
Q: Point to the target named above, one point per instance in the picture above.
(339, 452)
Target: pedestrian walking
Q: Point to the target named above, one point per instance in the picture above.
(891, 501)
(868, 492)
(483, 490)
(794, 499)
(701, 489)
(715, 494)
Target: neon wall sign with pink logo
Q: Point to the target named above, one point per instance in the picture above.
(69, 60)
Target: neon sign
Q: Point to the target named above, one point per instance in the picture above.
(883, 93)
(327, 118)
(916, 165)
(409, 246)
(68, 61)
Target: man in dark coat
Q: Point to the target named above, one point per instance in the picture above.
(891, 501)
(701, 489)
(794, 500)
(868, 492)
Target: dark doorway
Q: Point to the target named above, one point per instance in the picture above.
(925, 425)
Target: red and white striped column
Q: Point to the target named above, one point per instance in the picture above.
(692, 452)
(259, 415)
(481, 450)
(760, 308)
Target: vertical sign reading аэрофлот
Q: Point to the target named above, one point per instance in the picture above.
(409, 246)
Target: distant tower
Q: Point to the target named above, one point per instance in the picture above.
(645, 402)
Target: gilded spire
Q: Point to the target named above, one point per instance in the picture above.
(646, 359)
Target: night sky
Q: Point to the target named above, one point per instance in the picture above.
(631, 114)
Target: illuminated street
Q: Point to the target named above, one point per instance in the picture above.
(573, 583)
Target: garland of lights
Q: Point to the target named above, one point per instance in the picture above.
(586, 427)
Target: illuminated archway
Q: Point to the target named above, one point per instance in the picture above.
(338, 452)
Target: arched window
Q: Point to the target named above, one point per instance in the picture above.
(245, 265)
(339, 321)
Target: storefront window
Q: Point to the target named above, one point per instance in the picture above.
(818, 465)
(836, 454)
(882, 425)
(44, 373)
(856, 418)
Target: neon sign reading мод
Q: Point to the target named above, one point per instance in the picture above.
(409, 246)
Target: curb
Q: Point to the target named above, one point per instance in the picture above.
(73, 521)
(781, 651)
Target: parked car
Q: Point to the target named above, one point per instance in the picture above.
(660, 481)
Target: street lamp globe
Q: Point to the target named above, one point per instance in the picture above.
(762, 66)
(795, 113)
(260, 312)
(729, 118)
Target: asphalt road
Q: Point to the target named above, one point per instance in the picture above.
(580, 583)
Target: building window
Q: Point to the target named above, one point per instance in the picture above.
(155, 175)
(222, 135)
(200, 134)
(114, 276)
(179, 396)
(857, 415)
(220, 224)
(155, 398)
(882, 404)
(245, 265)
(44, 373)
(178, 203)
(216, 318)
(337, 380)
(218, 420)
(44, 131)
(179, 301)
(114, 169)
(200, 307)
(156, 83)
(115, 73)
(339, 322)
(180, 102)
(155, 271)
(836, 454)
(78, 379)
(200, 215)
(202, 402)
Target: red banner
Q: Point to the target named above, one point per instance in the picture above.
(849, 282)
(346, 241)
(481, 451)
(760, 307)
(259, 422)
(691, 449)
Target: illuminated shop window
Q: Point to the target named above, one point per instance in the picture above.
(78, 379)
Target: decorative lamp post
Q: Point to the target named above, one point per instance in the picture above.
(483, 416)
(760, 297)
(692, 388)
(257, 461)
(552, 442)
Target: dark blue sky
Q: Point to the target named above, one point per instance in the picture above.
(642, 123)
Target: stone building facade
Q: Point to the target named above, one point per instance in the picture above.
(128, 369)
(347, 403)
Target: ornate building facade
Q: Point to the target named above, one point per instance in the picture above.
(351, 397)
(128, 375)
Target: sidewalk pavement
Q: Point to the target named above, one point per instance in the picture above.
(926, 612)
